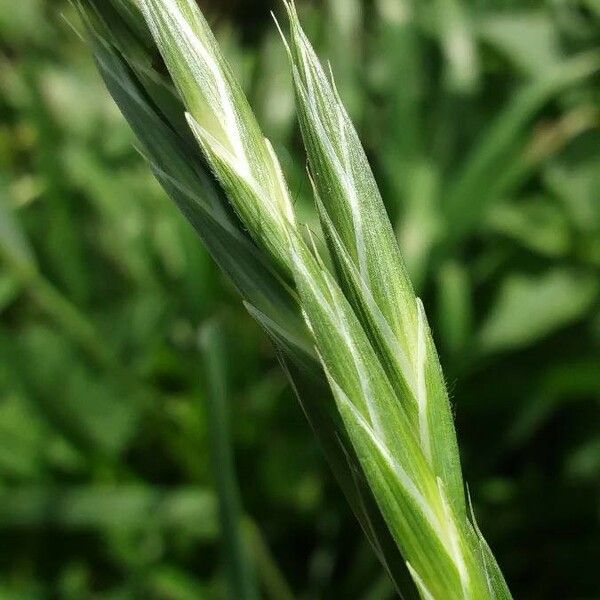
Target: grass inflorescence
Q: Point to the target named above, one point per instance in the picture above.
(351, 333)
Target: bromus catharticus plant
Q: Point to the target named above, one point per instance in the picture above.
(353, 338)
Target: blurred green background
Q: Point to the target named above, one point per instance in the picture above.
(481, 119)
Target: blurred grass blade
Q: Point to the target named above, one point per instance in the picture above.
(458, 44)
(469, 196)
(14, 247)
(276, 587)
(399, 71)
(17, 254)
(455, 308)
(345, 35)
(111, 508)
(240, 569)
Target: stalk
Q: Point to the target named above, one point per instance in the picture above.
(354, 340)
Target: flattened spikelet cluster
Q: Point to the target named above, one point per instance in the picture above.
(357, 329)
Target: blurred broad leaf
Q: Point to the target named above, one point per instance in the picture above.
(528, 308)
(22, 438)
(535, 223)
(558, 385)
(89, 410)
(9, 290)
(118, 507)
(528, 38)
(23, 21)
(14, 246)
(577, 185)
